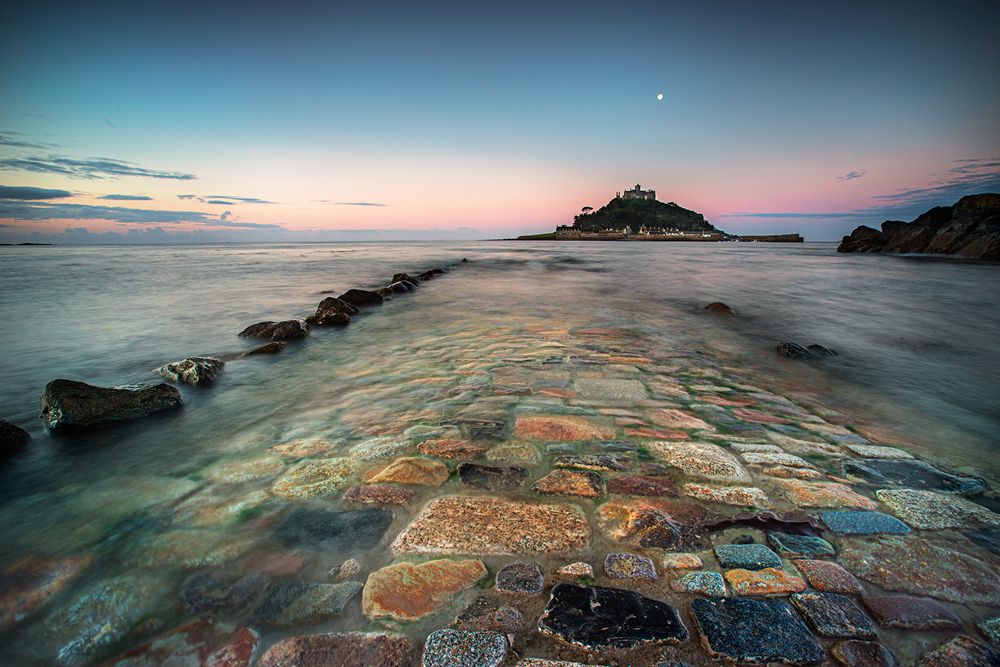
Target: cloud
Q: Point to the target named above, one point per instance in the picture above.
(126, 197)
(851, 175)
(225, 200)
(245, 200)
(90, 168)
(46, 212)
(219, 201)
(24, 192)
(13, 139)
(357, 203)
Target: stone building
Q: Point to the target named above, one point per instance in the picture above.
(637, 193)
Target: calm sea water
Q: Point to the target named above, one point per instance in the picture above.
(917, 366)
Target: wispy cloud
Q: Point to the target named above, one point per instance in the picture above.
(10, 210)
(357, 203)
(245, 200)
(126, 197)
(89, 168)
(16, 140)
(25, 193)
(225, 200)
(851, 175)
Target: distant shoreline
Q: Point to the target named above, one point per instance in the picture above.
(657, 238)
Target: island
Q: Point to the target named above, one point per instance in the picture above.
(636, 215)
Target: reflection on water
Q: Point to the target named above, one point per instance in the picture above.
(522, 329)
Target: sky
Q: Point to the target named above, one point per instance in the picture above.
(324, 121)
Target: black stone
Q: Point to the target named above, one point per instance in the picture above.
(799, 546)
(361, 297)
(835, 615)
(796, 351)
(492, 478)
(599, 618)
(914, 475)
(520, 577)
(72, 404)
(349, 530)
(750, 630)
(12, 438)
(990, 541)
(911, 613)
(857, 653)
(221, 594)
(286, 330)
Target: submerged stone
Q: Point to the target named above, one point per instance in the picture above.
(858, 653)
(610, 462)
(710, 584)
(835, 615)
(352, 649)
(377, 494)
(513, 452)
(761, 631)
(863, 523)
(222, 594)
(681, 561)
(623, 565)
(311, 478)
(597, 618)
(799, 546)
(646, 523)
(464, 648)
(823, 494)
(27, 585)
(410, 470)
(485, 525)
(829, 577)
(298, 449)
(638, 485)
(195, 643)
(520, 577)
(560, 428)
(409, 591)
(383, 447)
(492, 478)
(962, 651)
(193, 370)
(294, 602)
(768, 581)
(343, 530)
(914, 474)
(929, 510)
(584, 483)
(991, 629)
(741, 496)
(701, 460)
(911, 613)
(746, 556)
(878, 451)
(450, 448)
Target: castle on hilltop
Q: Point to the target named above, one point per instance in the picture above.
(636, 193)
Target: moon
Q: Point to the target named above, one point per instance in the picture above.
(659, 97)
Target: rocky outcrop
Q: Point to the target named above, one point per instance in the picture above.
(287, 330)
(719, 308)
(12, 438)
(796, 351)
(332, 311)
(361, 297)
(274, 347)
(970, 228)
(193, 370)
(68, 403)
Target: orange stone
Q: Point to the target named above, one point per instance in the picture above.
(671, 418)
(560, 428)
(655, 433)
(408, 591)
(561, 482)
(769, 581)
(450, 448)
(409, 470)
(823, 494)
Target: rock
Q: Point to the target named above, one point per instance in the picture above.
(796, 351)
(277, 331)
(462, 648)
(639, 485)
(915, 475)
(799, 546)
(829, 577)
(314, 477)
(858, 653)
(742, 496)
(299, 449)
(560, 428)
(12, 438)
(485, 525)
(646, 523)
(352, 649)
(681, 561)
(28, 584)
(710, 584)
(719, 308)
(193, 370)
(273, 347)
(914, 565)
(379, 448)
(491, 478)
(929, 510)
(787, 472)
(349, 568)
(409, 470)
(610, 389)
(354, 530)
(72, 404)
(360, 298)
(582, 483)
(700, 460)
(409, 591)
(835, 615)
(746, 556)
(599, 618)
(195, 643)
(878, 451)
(450, 448)
(520, 577)
(622, 565)
(332, 311)
(509, 619)
(670, 418)
(294, 602)
(823, 494)
(911, 613)
(863, 523)
(749, 630)
(513, 452)
(374, 494)
(192, 548)
(221, 594)
(991, 629)
(404, 277)
(609, 462)
(576, 571)
(541, 662)
(772, 459)
(962, 651)
(240, 470)
(277, 563)
(766, 581)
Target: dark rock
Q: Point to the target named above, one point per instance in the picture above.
(428, 275)
(401, 287)
(68, 403)
(914, 474)
(622, 565)
(403, 277)
(273, 347)
(852, 522)
(492, 478)
(195, 643)
(292, 602)
(743, 539)
(752, 630)
(332, 303)
(509, 619)
(989, 541)
(520, 577)
(796, 522)
(12, 438)
(461, 648)
(286, 330)
(796, 351)
(746, 556)
(858, 653)
(911, 613)
(835, 615)
(799, 546)
(360, 297)
(329, 319)
(962, 651)
(352, 649)
(719, 308)
(637, 485)
(600, 618)
(349, 530)
(221, 594)
(193, 370)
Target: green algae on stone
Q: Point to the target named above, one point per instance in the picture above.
(311, 478)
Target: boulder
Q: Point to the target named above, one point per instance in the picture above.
(68, 403)
(719, 308)
(273, 347)
(193, 370)
(361, 297)
(404, 277)
(287, 330)
(796, 351)
(12, 438)
(428, 275)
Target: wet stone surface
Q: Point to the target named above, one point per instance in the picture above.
(747, 630)
(218, 593)
(863, 523)
(829, 577)
(622, 565)
(859, 653)
(768, 581)
(520, 577)
(461, 648)
(352, 649)
(492, 478)
(930, 510)
(746, 556)
(293, 602)
(962, 651)
(835, 615)
(914, 474)
(346, 531)
(710, 584)
(799, 546)
(197, 642)
(911, 613)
